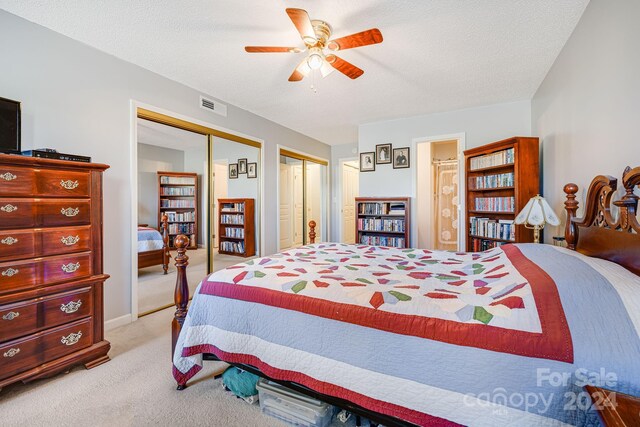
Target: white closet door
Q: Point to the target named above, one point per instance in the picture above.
(350, 188)
(286, 198)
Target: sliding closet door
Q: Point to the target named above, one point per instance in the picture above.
(291, 202)
(316, 198)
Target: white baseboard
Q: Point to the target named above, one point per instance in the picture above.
(117, 322)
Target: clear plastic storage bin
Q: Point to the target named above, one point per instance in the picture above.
(291, 407)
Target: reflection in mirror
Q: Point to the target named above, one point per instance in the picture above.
(291, 203)
(316, 199)
(235, 208)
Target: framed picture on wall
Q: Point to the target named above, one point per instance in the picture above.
(252, 170)
(367, 162)
(233, 171)
(383, 154)
(242, 166)
(401, 158)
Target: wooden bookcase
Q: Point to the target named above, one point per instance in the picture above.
(382, 218)
(493, 199)
(236, 227)
(178, 198)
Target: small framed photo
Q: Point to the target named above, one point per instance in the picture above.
(242, 166)
(252, 170)
(233, 171)
(401, 158)
(383, 154)
(367, 162)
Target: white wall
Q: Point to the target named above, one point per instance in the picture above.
(152, 159)
(587, 108)
(78, 100)
(480, 125)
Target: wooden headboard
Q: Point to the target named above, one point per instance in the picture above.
(598, 233)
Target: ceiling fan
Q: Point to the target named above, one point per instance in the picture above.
(315, 35)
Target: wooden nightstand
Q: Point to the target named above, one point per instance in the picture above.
(616, 409)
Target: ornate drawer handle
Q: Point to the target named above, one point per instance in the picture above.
(11, 352)
(72, 338)
(9, 208)
(70, 240)
(9, 240)
(10, 272)
(11, 315)
(70, 211)
(68, 184)
(71, 267)
(71, 306)
(8, 176)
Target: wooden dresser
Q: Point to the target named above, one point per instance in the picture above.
(51, 275)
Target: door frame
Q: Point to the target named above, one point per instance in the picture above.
(139, 109)
(461, 138)
(340, 186)
(287, 151)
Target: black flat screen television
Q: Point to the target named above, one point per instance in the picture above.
(9, 126)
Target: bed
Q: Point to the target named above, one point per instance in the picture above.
(414, 337)
(153, 246)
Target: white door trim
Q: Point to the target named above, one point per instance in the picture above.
(461, 138)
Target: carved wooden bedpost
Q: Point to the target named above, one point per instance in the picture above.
(166, 255)
(181, 295)
(312, 231)
(571, 206)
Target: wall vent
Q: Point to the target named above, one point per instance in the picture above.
(214, 106)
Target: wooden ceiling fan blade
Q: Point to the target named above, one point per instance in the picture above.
(301, 20)
(300, 72)
(270, 49)
(344, 67)
(364, 38)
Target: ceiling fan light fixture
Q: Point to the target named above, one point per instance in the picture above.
(315, 61)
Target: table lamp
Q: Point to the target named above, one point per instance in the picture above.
(536, 214)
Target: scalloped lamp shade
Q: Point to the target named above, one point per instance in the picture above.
(536, 214)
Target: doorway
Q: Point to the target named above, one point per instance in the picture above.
(350, 186)
(438, 186)
(302, 192)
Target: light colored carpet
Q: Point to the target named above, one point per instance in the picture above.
(135, 388)
(155, 289)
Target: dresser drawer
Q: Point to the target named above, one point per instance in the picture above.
(20, 181)
(29, 316)
(26, 353)
(22, 275)
(20, 244)
(28, 213)
(16, 244)
(17, 181)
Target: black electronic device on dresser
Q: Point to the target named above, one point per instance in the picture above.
(9, 126)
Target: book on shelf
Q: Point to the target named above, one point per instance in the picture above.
(235, 247)
(491, 181)
(178, 191)
(495, 204)
(494, 229)
(173, 216)
(173, 203)
(504, 157)
(179, 228)
(177, 180)
(237, 219)
(234, 232)
(377, 224)
(480, 245)
(383, 222)
(232, 207)
(396, 242)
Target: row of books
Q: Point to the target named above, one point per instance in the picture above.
(166, 203)
(232, 207)
(396, 242)
(503, 157)
(491, 181)
(376, 224)
(178, 191)
(181, 228)
(495, 204)
(234, 232)
(496, 229)
(235, 247)
(381, 208)
(177, 180)
(479, 245)
(232, 219)
(180, 216)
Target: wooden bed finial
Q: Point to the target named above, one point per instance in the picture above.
(181, 295)
(571, 206)
(312, 231)
(166, 255)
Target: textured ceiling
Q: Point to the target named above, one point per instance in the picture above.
(168, 137)
(437, 55)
